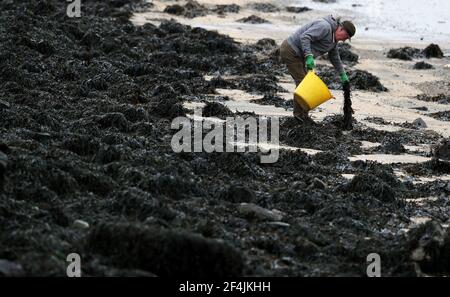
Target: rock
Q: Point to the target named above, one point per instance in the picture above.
(433, 51)
(251, 210)
(80, 224)
(423, 65)
(297, 9)
(421, 108)
(253, 19)
(166, 253)
(419, 123)
(4, 104)
(10, 269)
(279, 224)
(238, 194)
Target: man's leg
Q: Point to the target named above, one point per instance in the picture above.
(297, 70)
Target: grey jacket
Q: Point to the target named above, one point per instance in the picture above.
(317, 38)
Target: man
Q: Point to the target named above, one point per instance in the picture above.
(310, 41)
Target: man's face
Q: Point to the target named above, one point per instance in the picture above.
(341, 34)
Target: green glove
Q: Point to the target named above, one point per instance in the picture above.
(310, 62)
(344, 77)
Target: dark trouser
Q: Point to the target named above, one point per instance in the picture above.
(297, 70)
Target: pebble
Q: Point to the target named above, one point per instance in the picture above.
(4, 104)
(10, 269)
(253, 210)
(80, 224)
(279, 224)
(419, 123)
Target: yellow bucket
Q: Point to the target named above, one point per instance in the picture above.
(311, 92)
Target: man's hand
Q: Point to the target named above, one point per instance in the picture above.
(310, 62)
(344, 78)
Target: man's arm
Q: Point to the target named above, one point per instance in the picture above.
(335, 59)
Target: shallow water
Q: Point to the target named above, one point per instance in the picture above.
(398, 20)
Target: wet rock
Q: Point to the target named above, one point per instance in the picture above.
(253, 19)
(422, 65)
(419, 123)
(264, 7)
(239, 194)
(433, 51)
(297, 9)
(251, 210)
(404, 53)
(392, 145)
(10, 269)
(165, 252)
(430, 247)
(80, 224)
